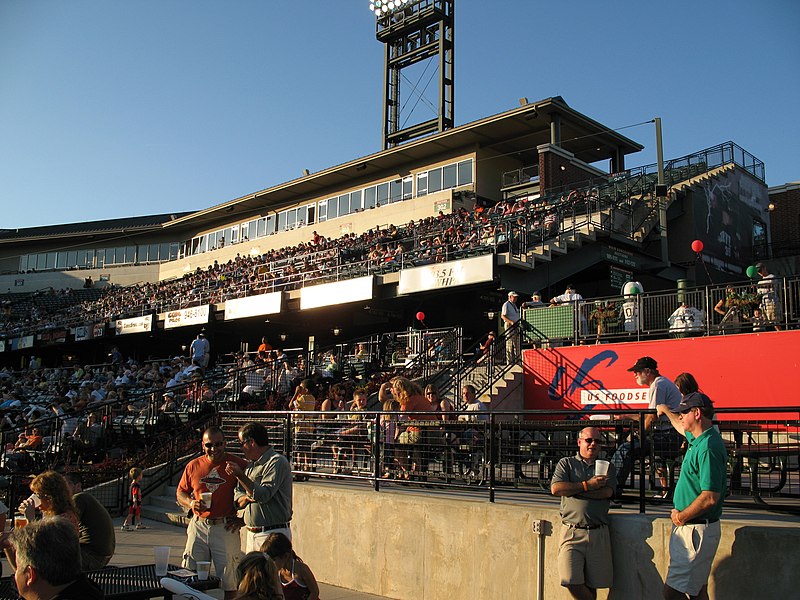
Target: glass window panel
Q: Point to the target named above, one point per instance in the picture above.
(311, 214)
(355, 201)
(422, 184)
(407, 188)
(234, 234)
(333, 208)
(369, 197)
(465, 172)
(270, 224)
(61, 260)
(211, 240)
(100, 258)
(174, 250)
(81, 260)
(41, 261)
(383, 194)
(51, 260)
(203, 244)
(261, 228)
(89, 258)
(396, 190)
(130, 254)
(291, 218)
(282, 220)
(72, 258)
(154, 253)
(23, 262)
(449, 177)
(322, 211)
(434, 180)
(344, 205)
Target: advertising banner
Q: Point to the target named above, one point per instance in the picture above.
(197, 315)
(730, 369)
(83, 332)
(340, 292)
(447, 275)
(135, 325)
(98, 330)
(263, 304)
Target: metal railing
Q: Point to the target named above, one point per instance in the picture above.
(517, 452)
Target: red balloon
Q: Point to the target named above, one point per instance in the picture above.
(697, 245)
(420, 316)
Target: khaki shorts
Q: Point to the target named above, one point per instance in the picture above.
(205, 541)
(253, 541)
(691, 552)
(584, 557)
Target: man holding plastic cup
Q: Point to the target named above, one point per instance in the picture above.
(213, 532)
(584, 555)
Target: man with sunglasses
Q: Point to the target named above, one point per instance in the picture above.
(264, 492)
(584, 554)
(213, 531)
(698, 499)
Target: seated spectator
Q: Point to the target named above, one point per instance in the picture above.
(296, 577)
(47, 562)
(258, 578)
(96, 529)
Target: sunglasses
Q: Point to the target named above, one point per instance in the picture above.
(214, 444)
(589, 441)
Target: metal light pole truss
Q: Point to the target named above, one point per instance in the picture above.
(413, 31)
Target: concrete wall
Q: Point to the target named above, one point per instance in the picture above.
(75, 279)
(415, 546)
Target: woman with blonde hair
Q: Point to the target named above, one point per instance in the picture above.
(258, 578)
(411, 398)
(55, 497)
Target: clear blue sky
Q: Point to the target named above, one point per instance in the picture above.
(115, 108)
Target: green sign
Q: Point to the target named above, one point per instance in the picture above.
(550, 322)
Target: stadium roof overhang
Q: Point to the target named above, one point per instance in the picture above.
(518, 131)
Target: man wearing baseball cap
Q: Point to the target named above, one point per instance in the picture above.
(510, 316)
(698, 498)
(660, 391)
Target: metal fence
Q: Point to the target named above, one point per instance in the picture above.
(517, 452)
(742, 307)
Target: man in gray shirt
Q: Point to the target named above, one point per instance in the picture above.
(264, 491)
(584, 554)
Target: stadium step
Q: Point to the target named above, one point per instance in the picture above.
(161, 506)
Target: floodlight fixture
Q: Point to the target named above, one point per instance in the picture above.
(381, 7)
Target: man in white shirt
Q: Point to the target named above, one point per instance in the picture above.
(510, 316)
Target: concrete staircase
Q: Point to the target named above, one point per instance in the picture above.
(161, 506)
(507, 393)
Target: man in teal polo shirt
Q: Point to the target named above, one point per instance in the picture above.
(698, 499)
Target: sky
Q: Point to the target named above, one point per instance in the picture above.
(119, 108)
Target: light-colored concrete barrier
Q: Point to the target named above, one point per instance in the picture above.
(415, 546)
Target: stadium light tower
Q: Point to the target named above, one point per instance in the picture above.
(413, 31)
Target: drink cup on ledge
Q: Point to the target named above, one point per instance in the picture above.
(161, 555)
(203, 567)
(601, 467)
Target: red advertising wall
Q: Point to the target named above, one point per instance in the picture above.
(745, 370)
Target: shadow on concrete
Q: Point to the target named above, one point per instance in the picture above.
(763, 563)
(635, 571)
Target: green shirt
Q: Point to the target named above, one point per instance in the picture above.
(704, 468)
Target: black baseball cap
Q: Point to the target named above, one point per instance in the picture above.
(644, 363)
(694, 400)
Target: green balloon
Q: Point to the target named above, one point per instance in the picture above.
(752, 272)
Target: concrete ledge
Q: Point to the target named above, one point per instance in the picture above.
(413, 545)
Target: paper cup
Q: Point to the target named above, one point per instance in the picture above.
(601, 467)
(203, 567)
(161, 556)
(206, 497)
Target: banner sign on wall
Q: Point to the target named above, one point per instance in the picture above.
(447, 275)
(197, 315)
(340, 292)
(134, 325)
(98, 330)
(50, 338)
(25, 341)
(264, 304)
(594, 378)
(2, 345)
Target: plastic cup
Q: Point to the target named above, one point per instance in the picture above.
(161, 555)
(203, 567)
(601, 467)
(206, 498)
(20, 521)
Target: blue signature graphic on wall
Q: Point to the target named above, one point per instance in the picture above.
(583, 378)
